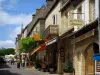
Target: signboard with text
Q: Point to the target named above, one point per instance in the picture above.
(76, 22)
(62, 54)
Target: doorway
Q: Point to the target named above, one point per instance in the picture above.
(89, 62)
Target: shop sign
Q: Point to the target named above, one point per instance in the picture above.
(62, 54)
(97, 67)
(76, 22)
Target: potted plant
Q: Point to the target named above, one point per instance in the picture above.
(51, 68)
(37, 64)
(68, 67)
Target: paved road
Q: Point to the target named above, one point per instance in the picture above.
(12, 70)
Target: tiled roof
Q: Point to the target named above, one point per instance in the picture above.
(42, 15)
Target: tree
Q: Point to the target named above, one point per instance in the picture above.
(6, 51)
(27, 44)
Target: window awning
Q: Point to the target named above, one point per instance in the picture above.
(35, 50)
(51, 41)
(43, 47)
(96, 57)
(39, 48)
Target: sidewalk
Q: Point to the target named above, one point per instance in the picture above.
(40, 72)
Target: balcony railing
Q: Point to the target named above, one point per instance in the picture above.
(51, 30)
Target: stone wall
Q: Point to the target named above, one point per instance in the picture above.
(79, 54)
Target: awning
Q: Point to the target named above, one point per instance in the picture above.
(35, 50)
(51, 41)
(43, 47)
(39, 48)
(96, 57)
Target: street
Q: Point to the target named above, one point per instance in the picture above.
(12, 70)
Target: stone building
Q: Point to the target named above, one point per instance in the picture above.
(37, 27)
(51, 33)
(84, 43)
(68, 27)
(82, 16)
(17, 45)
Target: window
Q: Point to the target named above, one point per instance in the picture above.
(54, 19)
(79, 15)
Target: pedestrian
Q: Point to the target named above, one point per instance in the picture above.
(23, 63)
(18, 63)
(12, 61)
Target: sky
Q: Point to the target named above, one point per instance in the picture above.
(14, 13)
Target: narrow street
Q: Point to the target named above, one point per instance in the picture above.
(12, 70)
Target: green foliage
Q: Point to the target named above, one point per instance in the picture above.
(6, 51)
(41, 35)
(27, 44)
(68, 66)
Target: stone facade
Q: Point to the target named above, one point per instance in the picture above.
(18, 39)
(52, 54)
(49, 18)
(80, 57)
(82, 11)
(62, 12)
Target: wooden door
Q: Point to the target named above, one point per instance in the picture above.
(89, 62)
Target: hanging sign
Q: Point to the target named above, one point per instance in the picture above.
(62, 54)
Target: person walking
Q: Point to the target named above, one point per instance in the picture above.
(23, 63)
(12, 61)
(18, 63)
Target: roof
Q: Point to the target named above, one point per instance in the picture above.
(42, 15)
(67, 3)
(24, 29)
(52, 7)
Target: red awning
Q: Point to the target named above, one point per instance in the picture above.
(39, 48)
(35, 50)
(43, 47)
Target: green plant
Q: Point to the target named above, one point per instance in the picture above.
(27, 44)
(68, 66)
(37, 64)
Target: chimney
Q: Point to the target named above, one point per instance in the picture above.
(33, 16)
(38, 10)
(49, 2)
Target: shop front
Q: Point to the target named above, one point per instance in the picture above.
(97, 63)
(85, 45)
(51, 54)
